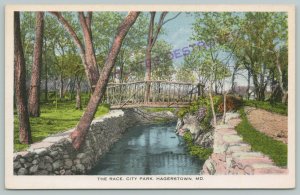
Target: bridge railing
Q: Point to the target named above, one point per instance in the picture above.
(151, 94)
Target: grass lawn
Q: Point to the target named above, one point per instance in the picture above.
(159, 109)
(276, 150)
(276, 108)
(54, 118)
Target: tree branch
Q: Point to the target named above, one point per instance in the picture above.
(88, 19)
(160, 24)
(171, 18)
(70, 30)
(150, 32)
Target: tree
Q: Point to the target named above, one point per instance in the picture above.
(262, 35)
(34, 93)
(20, 84)
(78, 135)
(281, 64)
(217, 31)
(86, 50)
(152, 37)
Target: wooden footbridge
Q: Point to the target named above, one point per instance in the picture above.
(151, 94)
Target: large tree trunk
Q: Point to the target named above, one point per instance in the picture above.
(148, 56)
(34, 93)
(150, 43)
(148, 75)
(78, 135)
(90, 57)
(20, 84)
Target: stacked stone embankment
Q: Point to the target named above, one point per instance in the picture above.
(55, 155)
(232, 156)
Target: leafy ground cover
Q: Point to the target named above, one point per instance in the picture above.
(57, 116)
(260, 142)
(196, 150)
(276, 107)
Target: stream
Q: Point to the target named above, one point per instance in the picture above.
(148, 150)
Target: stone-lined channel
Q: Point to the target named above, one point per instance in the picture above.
(148, 150)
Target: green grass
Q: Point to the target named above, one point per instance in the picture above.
(196, 150)
(159, 109)
(55, 117)
(276, 107)
(260, 142)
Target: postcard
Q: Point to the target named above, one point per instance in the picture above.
(149, 96)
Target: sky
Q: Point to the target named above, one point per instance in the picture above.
(178, 33)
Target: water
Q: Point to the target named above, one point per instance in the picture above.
(148, 150)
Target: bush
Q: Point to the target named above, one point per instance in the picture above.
(233, 103)
(196, 150)
(201, 103)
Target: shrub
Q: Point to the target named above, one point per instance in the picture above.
(233, 103)
(196, 150)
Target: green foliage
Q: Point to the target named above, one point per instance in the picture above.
(276, 150)
(53, 120)
(276, 108)
(194, 107)
(162, 65)
(196, 150)
(159, 109)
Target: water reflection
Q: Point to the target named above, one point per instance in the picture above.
(148, 150)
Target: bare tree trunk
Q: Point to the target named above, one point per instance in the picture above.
(90, 57)
(248, 85)
(78, 95)
(148, 74)
(46, 71)
(148, 55)
(20, 84)
(55, 80)
(34, 93)
(46, 82)
(224, 105)
(212, 103)
(212, 107)
(152, 37)
(61, 89)
(284, 92)
(233, 79)
(78, 135)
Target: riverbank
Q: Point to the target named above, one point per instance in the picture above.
(55, 155)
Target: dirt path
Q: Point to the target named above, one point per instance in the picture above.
(272, 124)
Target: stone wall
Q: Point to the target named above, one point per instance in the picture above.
(232, 156)
(56, 156)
